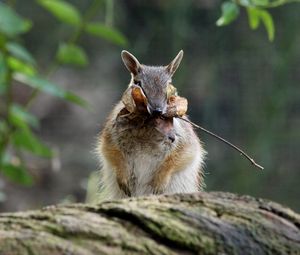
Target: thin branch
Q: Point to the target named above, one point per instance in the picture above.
(224, 141)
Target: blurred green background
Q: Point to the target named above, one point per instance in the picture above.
(238, 83)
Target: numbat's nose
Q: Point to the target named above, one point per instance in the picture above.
(157, 112)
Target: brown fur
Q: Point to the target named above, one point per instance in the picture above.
(117, 161)
(141, 153)
(176, 161)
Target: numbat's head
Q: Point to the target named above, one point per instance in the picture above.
(153, 80)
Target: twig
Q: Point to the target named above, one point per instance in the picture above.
(224, 141)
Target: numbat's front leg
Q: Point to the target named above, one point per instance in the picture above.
(177, 161)
(116, 159)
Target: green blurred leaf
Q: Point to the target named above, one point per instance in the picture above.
(25, 139)
(49, 87)
(17, 174)
(71, 54)
(108, 33)
(3, 74)
(18, 51)
(253, 17)
(245, 2)
(3, 126)
(230, 12)
(19, 66)
(19, 116)
(268, 23)
(63, 11)
(71, 97)
(260, 2)
(3, 130)
(11, 24)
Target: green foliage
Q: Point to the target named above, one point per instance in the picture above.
(71, 54)
(17, 174)
(230, 12)
(23, 138)
(256, 15)
(18, 51)
(100, 30)
(11, 24)
(63, 11)
(44, 85)
(253, 17)
(257, 11)
(17, 124)
(19, 117)
(17, 65)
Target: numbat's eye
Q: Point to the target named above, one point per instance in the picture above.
(138, 83)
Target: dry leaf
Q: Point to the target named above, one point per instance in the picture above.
(128, 100)
(139, 99)
(134, 99)
(177, 106)
(171, 91)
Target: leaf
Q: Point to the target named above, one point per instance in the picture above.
(3, 74)
(3, 126)
(245, 2)
(230, 11)
(49, 87)
(17, 174)
(268, 23)
(18, 51)
(11, 24)
(71, 54)
(63, 11)
(19, 116)
(253, 17)
(19, 66)
(25, 139)
(260, 2)
(108, 33)
(3, 130)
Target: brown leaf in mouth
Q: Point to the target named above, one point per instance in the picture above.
(134, 99)
(128, 100)
(139, 99)
(171, 91)
(177, 106)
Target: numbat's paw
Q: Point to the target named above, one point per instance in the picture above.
(124, 187)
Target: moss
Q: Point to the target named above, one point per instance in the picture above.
(204, 223)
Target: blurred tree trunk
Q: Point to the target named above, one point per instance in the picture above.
(202, 223)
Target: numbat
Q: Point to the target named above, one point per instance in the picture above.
(144, 149)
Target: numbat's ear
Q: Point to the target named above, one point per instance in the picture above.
(172, 67)
(131, 63)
